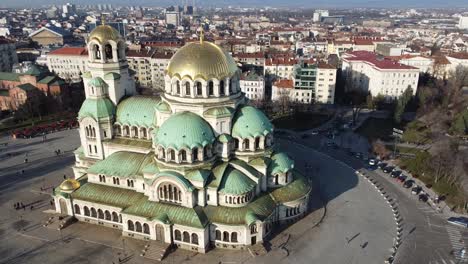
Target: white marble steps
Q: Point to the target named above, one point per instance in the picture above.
(155, 250)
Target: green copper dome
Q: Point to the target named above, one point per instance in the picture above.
(97, 82)
(280, 163)
(185, 130)
(249, 122)
(236, 183)
(96, 108)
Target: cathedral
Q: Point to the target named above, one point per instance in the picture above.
(195, 167)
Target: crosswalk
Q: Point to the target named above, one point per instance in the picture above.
(458, 245)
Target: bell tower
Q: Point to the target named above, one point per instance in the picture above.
(107, 60)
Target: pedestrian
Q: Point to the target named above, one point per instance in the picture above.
(22, 205)
(15, 206)
(24, 208)
(64, 176)
(22, 171)
(25, 160)
(32, 207)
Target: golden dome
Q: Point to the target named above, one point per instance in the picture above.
(203, 60)
(104, 33)
(69, 185)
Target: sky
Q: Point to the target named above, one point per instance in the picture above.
(257, 3)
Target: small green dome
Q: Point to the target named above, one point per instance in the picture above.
(280, 163)
(235, 182)
(112, 76)
(97, 82)
(249, 122)
(250, 217)
(185, 130)
(97, 108)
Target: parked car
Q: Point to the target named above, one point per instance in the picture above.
(402, 178)
(372, 162)
(408, 183)
(382, 165)
(459, 221)
(388, 169)
(358, 155)
(423, 197)
(314, 133)
(395, 174)
(416, 190)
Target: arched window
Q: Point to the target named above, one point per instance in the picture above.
(231, 86)
(108, 52)
(194, 239)
(276, 179)
(97, 52)
(238, 200)
(93, 212)
(225, 236)
(126, 131)
(177, 235)
(77, 209)
(100, 214)
(131, 227)
(186, 237)
(118, 130)
(135, 132)
(253, 229)
(86, 210)
(87, 131)
(198, 85)
(172, 155)
(107, 214)
(245, 144)
(218, 235)
(178, 87)
(210, 88)
(94, 132)
(187, 89)
(117, 181)
(195, 154)
(257, 143)
(234, 237)
(143, 133)
(236, 143)
(183, 155)
(138, 227)
(230, 200)
(146, 228)
(115, 217)
(221, 87)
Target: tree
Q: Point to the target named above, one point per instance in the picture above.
(370, 102)
(402, 102)
(378, 147)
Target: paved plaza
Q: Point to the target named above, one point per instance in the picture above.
(358, 226)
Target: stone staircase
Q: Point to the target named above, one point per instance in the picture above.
(155, 250)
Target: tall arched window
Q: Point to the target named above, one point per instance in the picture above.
(77, 209)
(146, 228)
(194, 239)
(86, 210)
(253, 229)
(236, 143)
(245, 144)
(221, 87)
(87, 131)
(108, 52)
(231, 86)
(218, 235)
(210, 88)
(138, 227)
(131, 227)
(187, 89)
(186, 237)
(100, 214)
(115, 217)
(107, 215)
(171, 155)
(195, 154)
(257, 143)
(234, 237)
(97, 52)
(183, 155)
(178, 87)
(93, 212)
(226, 236)
(198, 85)
(177, 235)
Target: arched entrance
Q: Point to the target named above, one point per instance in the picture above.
(159, 233)
(63, 207)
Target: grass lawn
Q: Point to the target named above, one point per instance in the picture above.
(301, 121)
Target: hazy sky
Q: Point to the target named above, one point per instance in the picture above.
(258, 3)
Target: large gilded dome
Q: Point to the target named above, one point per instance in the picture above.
(104, 33)
(203, 60)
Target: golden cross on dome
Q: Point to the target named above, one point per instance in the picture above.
(103, 19)
(201, 34)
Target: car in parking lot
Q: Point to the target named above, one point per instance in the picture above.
(358, 155)
(402, 178)
(395, 174)
(388, 169)
(423, 197)
(314, 133)
(459, 221)
(408, 183)
(416, 190)
(372, 162)
(382, 165)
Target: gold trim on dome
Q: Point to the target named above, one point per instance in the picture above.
(103, 33)
(204, 60)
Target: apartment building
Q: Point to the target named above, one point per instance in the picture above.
(253, 85)
(368, 72)
(68, 62)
